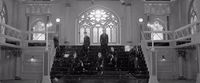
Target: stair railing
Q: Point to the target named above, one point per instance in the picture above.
(9, 33)
(187, 31)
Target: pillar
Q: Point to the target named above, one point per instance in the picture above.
(153, 71)
(18, 66)
(66, 29)
(46, 70)
(0, 65)
(198, 56)
(128, 23)
(181, 54)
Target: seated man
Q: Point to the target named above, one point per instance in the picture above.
(84, 50)
(86, 43)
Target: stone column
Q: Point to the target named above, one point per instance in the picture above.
(128, 23)
(66, 28)
(153, 71)
(181, 54)
(18, 66)
(198, 55)
(46, 70)
(0, 65)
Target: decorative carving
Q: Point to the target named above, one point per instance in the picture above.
(38, 8)
(157, 9)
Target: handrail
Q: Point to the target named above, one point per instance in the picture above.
(157, 31)
(186, 26)
(10, 27)
(181, 34)
(31, 32)
(17, 35)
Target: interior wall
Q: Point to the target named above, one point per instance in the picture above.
(191, 64)
(7, 59)
(197, 7)
(10, 11)
(68, 29)
(69, 12)
(167, 69)
(175, 16)
(8, 62)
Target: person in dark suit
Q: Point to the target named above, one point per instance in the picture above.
(56, 41)
(104, 44)
(85, 50)
(86, 42)
(104, 39)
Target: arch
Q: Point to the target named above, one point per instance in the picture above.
(157, 24)
(93, 20)
(36, 26)
(192, 16)
(3, 16)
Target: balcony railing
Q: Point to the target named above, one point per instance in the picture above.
(13, 37)
(180, 36)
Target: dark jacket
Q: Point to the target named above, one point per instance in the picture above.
(104, 39)
(86, 41)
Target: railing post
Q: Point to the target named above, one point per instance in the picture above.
(153, 72)
(46, 72)
(198, 55)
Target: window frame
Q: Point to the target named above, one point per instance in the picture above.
(118, 28)
(32, 18)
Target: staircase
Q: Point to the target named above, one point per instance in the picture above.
(127, 65)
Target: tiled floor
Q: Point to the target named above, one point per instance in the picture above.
(177, 81)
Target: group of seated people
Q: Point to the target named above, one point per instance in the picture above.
(106, 56)
(89, 62)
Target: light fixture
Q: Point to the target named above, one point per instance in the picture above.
(32, 59)
(58, 20)
(163, 59)
(140, 20)
(50, 24)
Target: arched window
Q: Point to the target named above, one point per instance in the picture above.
(157, 25)
(38, 26)
(94, 20)
(193, 18)
(3, 16)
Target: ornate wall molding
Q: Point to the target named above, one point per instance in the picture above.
(157, 9)
(37, 8)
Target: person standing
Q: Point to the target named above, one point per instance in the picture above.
(104, 44)
(104, 39)
(86, 42)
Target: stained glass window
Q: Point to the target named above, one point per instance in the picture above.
(94, 21)
(193, 18)
(39, 26)
(3, 16)
(156, 26)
